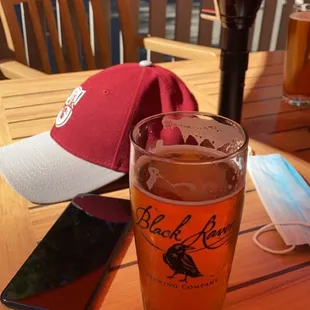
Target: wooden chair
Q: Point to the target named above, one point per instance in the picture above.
(268, 24)
(72, 50)
(156, 41)
(9, 67)
(77, 47)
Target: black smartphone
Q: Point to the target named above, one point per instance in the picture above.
(67, 267)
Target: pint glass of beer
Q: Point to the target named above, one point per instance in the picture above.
(187, 180)
(297, 62)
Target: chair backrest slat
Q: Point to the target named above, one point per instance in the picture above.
(267, 24)
(32, 50)
(183, 20)
(15, 30)
(157, 24)
(129, 16)
(5, 31)
(282, 35)
(135, 6)
(39, 35)
(5, 52)
(84, 31)
(102, 25)
(205, 26)
(52, 28)
(69, 36)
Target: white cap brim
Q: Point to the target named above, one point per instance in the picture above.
(43, 172)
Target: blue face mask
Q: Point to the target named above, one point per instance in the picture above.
(286, 197)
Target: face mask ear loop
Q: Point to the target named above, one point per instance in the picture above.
(267, 228)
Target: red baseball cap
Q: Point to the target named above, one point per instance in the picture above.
(88, 147)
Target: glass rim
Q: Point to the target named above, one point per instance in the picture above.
(304, 7)
(182, 162)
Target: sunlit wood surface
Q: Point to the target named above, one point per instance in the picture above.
(258, 280)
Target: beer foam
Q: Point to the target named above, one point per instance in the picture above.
(301, 16)
(218, 134)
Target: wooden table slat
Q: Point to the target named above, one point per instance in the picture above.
(29, 113)
(304, 154)
(210, 82)
(277, 123)
(31, 127)
(287, 139)
(287, 291)
(266, 107)
(33, 99)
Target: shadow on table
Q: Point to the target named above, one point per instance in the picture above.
(118, 264)
(270, 120)
(117, 185)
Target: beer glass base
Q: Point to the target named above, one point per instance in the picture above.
(297, 101)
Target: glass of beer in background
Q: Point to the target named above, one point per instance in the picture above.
(187, 180)
(297, 62)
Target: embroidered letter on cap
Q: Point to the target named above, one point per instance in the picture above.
(66, 112)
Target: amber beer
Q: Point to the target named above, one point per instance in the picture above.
(297, 63)
(187, 201)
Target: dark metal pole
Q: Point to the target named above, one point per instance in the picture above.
(237, 16)
(234, 63)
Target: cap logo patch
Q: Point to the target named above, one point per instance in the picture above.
(66, 112)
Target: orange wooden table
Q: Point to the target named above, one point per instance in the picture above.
(259, 280)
